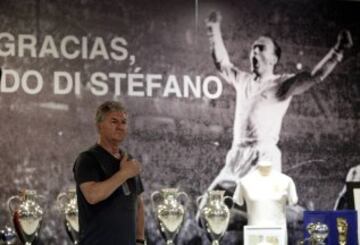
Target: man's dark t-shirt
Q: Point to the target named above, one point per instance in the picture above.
(111, 221)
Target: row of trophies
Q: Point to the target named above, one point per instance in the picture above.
(27, 216)
(168, 204)
(169, 207)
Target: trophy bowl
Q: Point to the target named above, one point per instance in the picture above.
(27, 215)
(169, 212)
(214, 215)
(320, 233)
(67, 204)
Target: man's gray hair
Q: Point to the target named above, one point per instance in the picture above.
(106, 107)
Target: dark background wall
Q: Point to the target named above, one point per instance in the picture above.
(180, 141)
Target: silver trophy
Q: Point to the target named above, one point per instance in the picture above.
(318, 233)
(67, 204)
(214, 214)
(169, 211)
(27, 215)
(7, 236)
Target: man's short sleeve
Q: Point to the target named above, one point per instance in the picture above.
(86, 169)
(292, 194)
(238, 194)
(139, 185)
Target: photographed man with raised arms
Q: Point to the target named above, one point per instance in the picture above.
(262, 98)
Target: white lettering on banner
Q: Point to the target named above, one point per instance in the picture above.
(189, 85)
(99, 49)
(171, 87)
(218, 85)
(77, 85)
(26, 79)
(7, 77)
(27, 42)
(151, 84)
(84, 47)
(99, 87)
(134, 82)
(31, 81)
(9, 44)
(64, 83)
(71, 47)
(92, 48)
(144, 85)
(48, 48)
(117, 77)
(140, 85)
(64, 49)
(117, 45)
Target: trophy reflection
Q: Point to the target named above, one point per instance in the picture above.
(67, 204)
(342, 228)
(318, 233)
(27, 215)
(7, 236)
(169, 212)
(215, 215)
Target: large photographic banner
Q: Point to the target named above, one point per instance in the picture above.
(61, 59)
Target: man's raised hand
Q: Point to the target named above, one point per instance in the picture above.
(344, 40)
(131, 168)
(214, 18)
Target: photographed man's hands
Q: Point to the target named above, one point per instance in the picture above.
(344, 40)
(213, 20)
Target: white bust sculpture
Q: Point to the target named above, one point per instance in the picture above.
(266, 193)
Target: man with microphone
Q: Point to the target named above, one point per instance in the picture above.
(108, 185)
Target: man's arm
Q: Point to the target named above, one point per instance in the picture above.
(303, 81)
(218, 50)
(140, 220)
(95, 192)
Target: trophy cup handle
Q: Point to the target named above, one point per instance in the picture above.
(232, 202)
(152, 198)
(182, 193)
(42, 197)
(199, 200)
(10, 202)
(60, 200)
(42, 200)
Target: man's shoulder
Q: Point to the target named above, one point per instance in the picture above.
(88, 151)
(249, 78)
(284, 179)
(243, 78)
(86, 155)
(248, 178)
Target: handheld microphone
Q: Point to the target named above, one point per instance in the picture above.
(125, 188)
(125, 185)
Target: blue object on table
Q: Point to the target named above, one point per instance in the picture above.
(329, 218)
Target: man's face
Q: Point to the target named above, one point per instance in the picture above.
(114, 127)
(262, 55)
